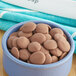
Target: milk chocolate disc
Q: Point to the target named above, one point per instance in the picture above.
(34, 46)
(50, 44)
(64, 46)
(24, 54)
(22, 42)
(37, 58)
(15, 52)
(29, 27)
(56, 52)
(38, 37)
(42, 28)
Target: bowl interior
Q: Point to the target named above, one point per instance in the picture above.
(53, 25)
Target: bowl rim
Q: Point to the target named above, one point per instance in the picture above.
(17, 61)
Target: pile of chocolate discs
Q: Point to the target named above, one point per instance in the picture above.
(38, 44)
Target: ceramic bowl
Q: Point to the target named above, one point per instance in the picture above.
(15, 67)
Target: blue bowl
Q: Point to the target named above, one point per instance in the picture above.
(15, 67)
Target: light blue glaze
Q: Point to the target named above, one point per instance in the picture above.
(15, 67)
